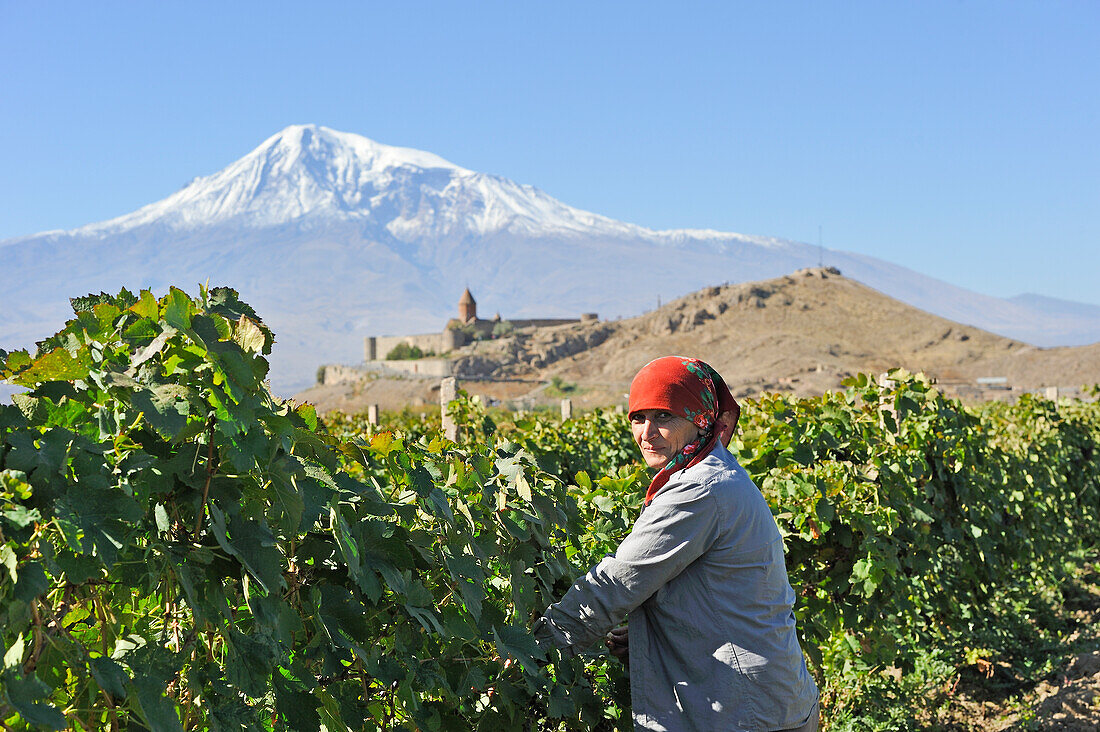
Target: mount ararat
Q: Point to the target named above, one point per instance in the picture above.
(332, 237)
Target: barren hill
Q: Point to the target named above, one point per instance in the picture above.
(801, 333)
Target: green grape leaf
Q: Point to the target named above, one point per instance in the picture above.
(438, 504)
(159, 711)
(468, 577)
(226, 302)
(25, 694)
(343, 617)
(559, 705)
(146, 306)
(350, 548)
(250, 661)
(9, 561)
(296, 707)
(252, 542)
(78, 568)
(330, 712)
(31, 583)
(178, 309)
(21, 516)
(57, 365)
(110, 676)
(16, 361)
(34, 410)
(87, 303)
(154, 347)
(518, 643)
(248, 335)
(105, 517)
(13, 657)
(308, 412)
(166, 407)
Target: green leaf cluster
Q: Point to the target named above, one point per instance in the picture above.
(914, 522)
(180, 550)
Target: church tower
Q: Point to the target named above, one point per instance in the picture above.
(467, 308)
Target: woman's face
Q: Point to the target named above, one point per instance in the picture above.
(661, 435)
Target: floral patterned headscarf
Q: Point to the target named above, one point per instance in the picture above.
(688, 388)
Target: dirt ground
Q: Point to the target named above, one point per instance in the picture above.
(1068, 700)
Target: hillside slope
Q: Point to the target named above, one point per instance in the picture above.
(803, 332)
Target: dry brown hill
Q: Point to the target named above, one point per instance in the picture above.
(802, 333)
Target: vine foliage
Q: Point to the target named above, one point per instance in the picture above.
(182, 551)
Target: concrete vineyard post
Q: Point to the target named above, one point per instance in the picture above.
(448, 391)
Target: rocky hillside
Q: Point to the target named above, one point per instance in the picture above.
(802, 333)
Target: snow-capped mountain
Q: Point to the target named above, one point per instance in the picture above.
(332, 237)
(315, 173)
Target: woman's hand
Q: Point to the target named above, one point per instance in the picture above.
(618, 643)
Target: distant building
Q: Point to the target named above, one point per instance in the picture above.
(467, 327)
(467, 307)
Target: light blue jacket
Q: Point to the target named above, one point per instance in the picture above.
(712, 631)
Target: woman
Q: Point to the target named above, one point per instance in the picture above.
(712, 642)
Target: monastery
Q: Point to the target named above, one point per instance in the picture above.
(466, 328)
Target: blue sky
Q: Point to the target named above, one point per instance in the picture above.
(960, 138)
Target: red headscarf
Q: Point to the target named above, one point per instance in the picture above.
(688, 388)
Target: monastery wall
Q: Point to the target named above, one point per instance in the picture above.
(428, 368)
(375, 348)
(543, 322)
(435, 368)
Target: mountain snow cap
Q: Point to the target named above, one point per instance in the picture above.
(304, 170)
(313, 173)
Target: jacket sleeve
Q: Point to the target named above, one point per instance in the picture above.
(672, 532)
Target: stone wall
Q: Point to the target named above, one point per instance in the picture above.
(375, 348)
(452, 339)
(543, 322)
(426, 368)
(336, 374)
(422, 367)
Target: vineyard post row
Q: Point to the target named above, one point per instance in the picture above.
(448, 394)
